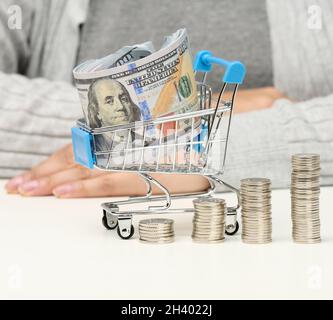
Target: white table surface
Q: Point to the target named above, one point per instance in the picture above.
(58, 249)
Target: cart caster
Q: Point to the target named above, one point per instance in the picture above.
(232, 229)
(125, 236)
(111, 223)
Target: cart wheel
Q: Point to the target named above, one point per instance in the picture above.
(105, 222)
(233, 231)
(129, 236)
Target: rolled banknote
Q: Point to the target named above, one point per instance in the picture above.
(138, 83)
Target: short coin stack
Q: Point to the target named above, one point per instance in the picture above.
(209, 220)
(157, 231)
(305, 191)
(256, 211)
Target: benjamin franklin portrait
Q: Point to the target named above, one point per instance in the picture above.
(110, 104)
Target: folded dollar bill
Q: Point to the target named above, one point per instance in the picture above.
(137, 83)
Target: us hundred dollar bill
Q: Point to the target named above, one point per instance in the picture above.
(138, 83)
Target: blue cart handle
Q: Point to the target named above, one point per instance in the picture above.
(234, 70)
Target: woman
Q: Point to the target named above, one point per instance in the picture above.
(279, 42)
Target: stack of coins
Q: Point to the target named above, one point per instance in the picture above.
(157, 231)
(256, 211)
(209, 220)
(305, 190)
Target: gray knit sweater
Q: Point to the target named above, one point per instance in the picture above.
(40, 105)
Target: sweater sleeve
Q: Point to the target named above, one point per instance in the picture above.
(35, 114)
(36, 117)
(261, 143)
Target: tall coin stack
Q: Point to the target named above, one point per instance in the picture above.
(157, 231)
(305, 191)
(209, 220)
(256, 211)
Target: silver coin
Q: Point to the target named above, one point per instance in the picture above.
(208, 241)
(157, 242)
(215, 236)
(305, 193)
(200, 233)
(267, 230)
(256, 210)
(207, 201)
(156, 231)
(208, 236)
(256, 181)
(155, 234)
(208, 227)
(261, 241)
(156, 221)
(209, 220)
(152, 238)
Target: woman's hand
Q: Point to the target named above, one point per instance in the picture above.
(43, 179)
(60, 176)
(254, 99)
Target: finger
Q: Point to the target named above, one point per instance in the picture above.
(45, 185)
(114, 184)
(13, 184)
(59, 161)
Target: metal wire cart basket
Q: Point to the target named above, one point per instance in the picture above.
(195, 143)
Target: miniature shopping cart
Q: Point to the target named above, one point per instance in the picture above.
(196, 143)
